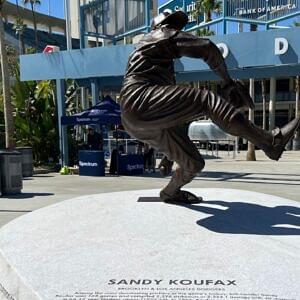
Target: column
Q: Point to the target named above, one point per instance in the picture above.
(251, 148)
(95, 91)
(61, 111)
(296, 140)
(272, 103)
(84, 105)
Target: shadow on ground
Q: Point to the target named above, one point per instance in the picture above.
(249, 218)
(255, 177)
(26, 195)
(259, 178)
(245, 218)
(14, 211)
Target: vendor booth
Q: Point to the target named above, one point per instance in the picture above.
(91, 162)
(106, 112)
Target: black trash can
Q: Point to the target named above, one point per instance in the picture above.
(11, 172)
(27, 161)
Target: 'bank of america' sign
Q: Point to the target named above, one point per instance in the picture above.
(261, 9)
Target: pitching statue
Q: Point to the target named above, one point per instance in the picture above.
(154, 108)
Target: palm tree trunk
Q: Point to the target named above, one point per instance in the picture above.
(208, 16)
(8, 116)
(35, 27)
(21, 43)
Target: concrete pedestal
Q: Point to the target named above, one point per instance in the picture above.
(129, 245)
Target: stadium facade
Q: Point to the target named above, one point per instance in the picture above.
(51, 30)
(271, 54)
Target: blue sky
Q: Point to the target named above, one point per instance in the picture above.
(57, 7)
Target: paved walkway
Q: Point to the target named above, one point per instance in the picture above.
(276, 178)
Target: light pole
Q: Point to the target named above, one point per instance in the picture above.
(251, 148)
(68, 24)
(296, 141)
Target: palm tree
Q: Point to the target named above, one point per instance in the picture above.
(19, 28)
(33, 4)
(7, 107)
(207, 7)
(205, 32)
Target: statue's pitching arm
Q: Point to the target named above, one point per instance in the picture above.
(189, 45)
(186, 44)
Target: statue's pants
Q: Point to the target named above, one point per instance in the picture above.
(156, 115)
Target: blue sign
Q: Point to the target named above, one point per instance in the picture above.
(261, 9)
(91, 163)
(188, 6)
(131, 164)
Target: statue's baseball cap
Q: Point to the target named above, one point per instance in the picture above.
(177, 19)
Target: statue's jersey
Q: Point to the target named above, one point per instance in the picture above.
(152, 62)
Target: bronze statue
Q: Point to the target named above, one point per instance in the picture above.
(154, 108)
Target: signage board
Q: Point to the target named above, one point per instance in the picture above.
(264, 10)
(261, 9)
(51, 49)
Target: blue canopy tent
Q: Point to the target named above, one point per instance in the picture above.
(104, 112)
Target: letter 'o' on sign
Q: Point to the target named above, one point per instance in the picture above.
(281, 46)
(224, 49)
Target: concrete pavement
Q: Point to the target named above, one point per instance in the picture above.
(276, 178)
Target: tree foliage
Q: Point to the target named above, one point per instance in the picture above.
(35, 117)
(204, 32)
(6, 100)
(207, 7)
(19, 27)
(33, 4)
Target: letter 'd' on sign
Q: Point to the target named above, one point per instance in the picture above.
(281, 46)
(224, 49)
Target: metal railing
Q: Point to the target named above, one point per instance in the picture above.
(114, 19)
(280, 96)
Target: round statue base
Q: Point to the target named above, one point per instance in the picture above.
(129, 245)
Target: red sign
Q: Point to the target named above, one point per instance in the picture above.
(51, 49)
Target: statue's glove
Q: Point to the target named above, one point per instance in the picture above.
(237, 95)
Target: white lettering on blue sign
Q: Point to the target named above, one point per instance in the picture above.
(87, 164)
(134, 167)
(270, 9)
(224, 49)
(281, 46)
